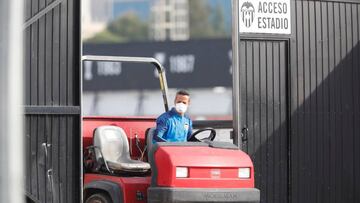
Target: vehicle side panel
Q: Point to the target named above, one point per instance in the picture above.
(134, 188)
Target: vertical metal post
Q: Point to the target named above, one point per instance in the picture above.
(236, 73)
(81, 102)
(11, 124)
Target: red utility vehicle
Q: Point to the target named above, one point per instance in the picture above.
(122, 165)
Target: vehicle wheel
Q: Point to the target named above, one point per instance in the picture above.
(99, 198)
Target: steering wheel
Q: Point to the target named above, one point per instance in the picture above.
(211, 137)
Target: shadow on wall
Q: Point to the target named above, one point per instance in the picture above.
(314, 156)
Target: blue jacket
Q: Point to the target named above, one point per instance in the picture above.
(172, 127)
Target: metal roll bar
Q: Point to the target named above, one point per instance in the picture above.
(130, 59)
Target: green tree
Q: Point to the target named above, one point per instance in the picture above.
(199, 14)
(218, 21)
(130, 27)
(206, 21)
(127, 27)
(105, 36)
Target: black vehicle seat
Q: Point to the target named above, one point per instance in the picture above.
(114, 146)
(149, 139)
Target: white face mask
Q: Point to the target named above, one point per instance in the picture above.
(181, 107)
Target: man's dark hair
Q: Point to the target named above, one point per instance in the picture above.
(183, 92)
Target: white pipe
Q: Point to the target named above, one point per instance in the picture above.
(11, 113)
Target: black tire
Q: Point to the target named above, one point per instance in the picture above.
(99, 198)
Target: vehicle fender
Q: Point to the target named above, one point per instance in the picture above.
(113, 189)
(154, 170)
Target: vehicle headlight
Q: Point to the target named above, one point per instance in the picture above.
(181, 172)
(244, 173)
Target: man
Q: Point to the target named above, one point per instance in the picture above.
(174, 125)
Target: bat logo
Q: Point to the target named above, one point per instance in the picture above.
(247, 13)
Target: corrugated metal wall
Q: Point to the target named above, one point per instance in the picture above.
(52, 87)
(312, 154)
(325, 90)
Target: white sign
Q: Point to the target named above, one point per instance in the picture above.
(108, 68)
(182, 63)
(264, 16)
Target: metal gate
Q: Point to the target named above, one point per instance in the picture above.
(263, 87)
(52, 100)
(297, 98)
